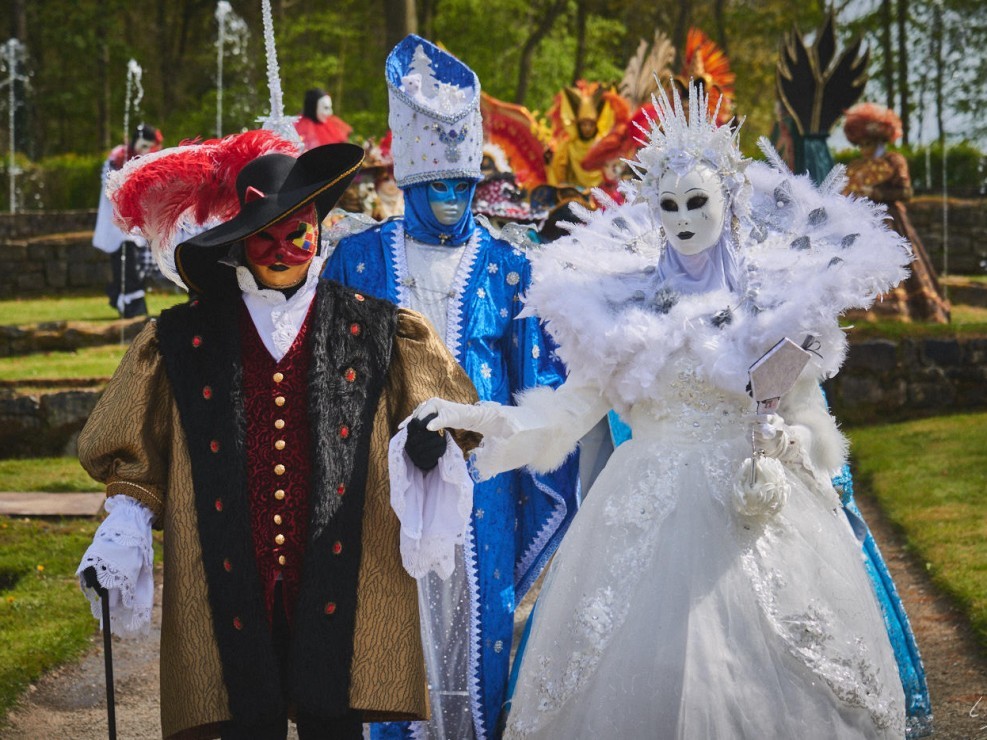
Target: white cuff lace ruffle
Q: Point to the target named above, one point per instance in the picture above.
(433, 507)
(123, 557)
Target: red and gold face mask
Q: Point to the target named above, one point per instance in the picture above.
(279, 255)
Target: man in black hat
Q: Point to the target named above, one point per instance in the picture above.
(253, 425)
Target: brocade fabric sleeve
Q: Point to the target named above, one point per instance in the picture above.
(127, 440)
(433, 506)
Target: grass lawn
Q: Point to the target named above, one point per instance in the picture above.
(51, 474)
(930, 478)
(88, 362)
(44, 618)
(21, 311)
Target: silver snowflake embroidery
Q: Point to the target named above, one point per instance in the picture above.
(513, 278)
(479, 513)
(485, 371)
(503, 313)
(536, 351)
(481, 293)
(361, 267)
(499, 646)
(492, 268)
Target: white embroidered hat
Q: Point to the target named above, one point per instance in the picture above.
(434, 114)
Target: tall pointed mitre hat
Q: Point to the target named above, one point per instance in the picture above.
(434, 114)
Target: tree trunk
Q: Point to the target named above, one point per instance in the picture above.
(721, 28)
(103, 99)
(541, 29)
(581, 13)
(937, 59)
(903, 86)
(887, 51)
(400, 19)
(427, 10)
(682, 21)
(167, 71)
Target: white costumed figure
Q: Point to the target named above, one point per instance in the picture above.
(690, 597)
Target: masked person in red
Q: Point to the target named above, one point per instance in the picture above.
(253, 425)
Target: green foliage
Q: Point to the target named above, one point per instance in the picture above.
(44, 619)
(966, 167)
(59, 183)
(930, 478)
(78, 56)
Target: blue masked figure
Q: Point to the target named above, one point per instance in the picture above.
(437, 260)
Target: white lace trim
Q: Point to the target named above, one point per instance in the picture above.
(433, 507)
(537, 550)
(454, 309)
(598, 289)
(123, 557)
(454, 321)
(808, 635)
(400, 259)
(472, 574)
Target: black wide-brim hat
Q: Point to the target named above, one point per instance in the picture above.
(318, 176)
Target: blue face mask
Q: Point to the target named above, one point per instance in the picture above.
(438, 212)
(449, 199)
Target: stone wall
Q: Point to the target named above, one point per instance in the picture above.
(910, 378)
(52, 265)
(51, 253)
(43, 423)
(966, 227)
(20, 226)
(882, 380)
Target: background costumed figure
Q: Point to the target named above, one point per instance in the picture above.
(704, 565)
(581, 115)
(882, 176)
(815, 86)
(253, 425)
(317, 125)
(437, 259)
(128, 252)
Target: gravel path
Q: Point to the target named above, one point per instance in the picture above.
(70, 702)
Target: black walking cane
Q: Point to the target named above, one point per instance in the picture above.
(89, 575)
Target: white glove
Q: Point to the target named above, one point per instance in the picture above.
(774, 438)
(123, 558)
(487, 418)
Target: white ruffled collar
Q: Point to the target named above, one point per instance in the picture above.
(806, 256)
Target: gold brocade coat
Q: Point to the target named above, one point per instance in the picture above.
(135, 443)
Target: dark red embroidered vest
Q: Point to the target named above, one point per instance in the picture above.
(278, 457)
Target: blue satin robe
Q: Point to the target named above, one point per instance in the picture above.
(518, 518)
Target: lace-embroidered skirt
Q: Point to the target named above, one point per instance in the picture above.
(666, 614)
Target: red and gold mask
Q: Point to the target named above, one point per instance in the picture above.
(279, 256)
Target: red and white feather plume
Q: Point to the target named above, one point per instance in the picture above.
(178, 191)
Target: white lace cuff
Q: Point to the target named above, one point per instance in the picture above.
(433, 507)
(123, 557)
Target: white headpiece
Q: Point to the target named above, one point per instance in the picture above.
(434, 114)
(679, 141)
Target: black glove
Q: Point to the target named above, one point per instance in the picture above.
(91, 580)
(424, 447)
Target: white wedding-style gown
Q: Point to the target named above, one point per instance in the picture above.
(667, 614)
(678, 605)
